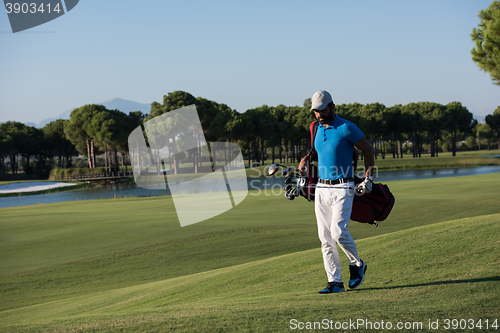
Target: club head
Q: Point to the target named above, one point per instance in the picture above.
(288, 180)
(273, 168)
(288, 187)
(290, 193)
(286, 171)
(301, 182)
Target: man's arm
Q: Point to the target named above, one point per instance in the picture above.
(302, 165)
(367, 150)
(311, 156)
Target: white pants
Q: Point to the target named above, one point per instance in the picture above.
(333, 207)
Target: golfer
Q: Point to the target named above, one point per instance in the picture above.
(334, 143)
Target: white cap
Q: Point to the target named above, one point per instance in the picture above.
(320, 100)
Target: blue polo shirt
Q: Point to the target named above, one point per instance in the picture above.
(334, 145)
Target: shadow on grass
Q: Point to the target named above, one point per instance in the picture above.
(439, 283)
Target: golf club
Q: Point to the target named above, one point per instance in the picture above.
(273, 168)
(297, 192)
(285, 172)
(301, 181)
(340, 188)
(290, 194)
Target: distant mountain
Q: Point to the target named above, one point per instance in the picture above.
(480, 119)
(123, 105)
(126, 106)
(30, 124)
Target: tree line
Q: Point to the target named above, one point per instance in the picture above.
(37, 146)
(266, 132)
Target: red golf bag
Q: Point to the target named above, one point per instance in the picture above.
(372, 207)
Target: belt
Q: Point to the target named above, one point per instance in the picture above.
(336, 181)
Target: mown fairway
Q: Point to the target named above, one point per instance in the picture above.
(127, 264)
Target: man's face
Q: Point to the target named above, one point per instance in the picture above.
(321, 115)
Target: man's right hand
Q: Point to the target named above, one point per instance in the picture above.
(302, 165)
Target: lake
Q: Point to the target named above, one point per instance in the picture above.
(129, 189)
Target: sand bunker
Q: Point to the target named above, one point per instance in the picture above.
(30, 187)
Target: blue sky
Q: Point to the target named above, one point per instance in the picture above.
(245, 54)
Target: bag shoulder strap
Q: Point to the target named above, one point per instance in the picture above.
(313, 129)
(355, 159)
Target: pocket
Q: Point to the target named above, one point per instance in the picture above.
(322, 197)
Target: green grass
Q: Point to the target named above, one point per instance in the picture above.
(442, 278)
(16, 181)
(89, 265)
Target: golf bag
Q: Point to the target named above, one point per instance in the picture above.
(370, 207)
(309, 182)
